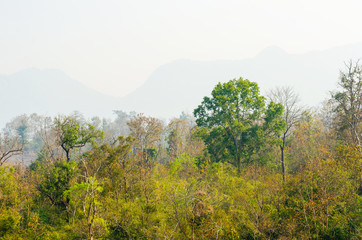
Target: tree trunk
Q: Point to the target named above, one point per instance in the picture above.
(283, 163)
(238, 162)
(67, 154)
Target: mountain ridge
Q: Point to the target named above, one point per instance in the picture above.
(50, 92)
(312, 74)
(176, 86)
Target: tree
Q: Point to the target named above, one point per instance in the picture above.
(56, 181)
(239, 110)
(179, 134)
(73, 134)
(147, 132)
(19, 126)
(85, 197)
(119, 126)
(111, 162)
(9, 146)
(348, 102)
(291, 115)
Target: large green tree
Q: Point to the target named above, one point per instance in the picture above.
(238, 114)
(56, 180)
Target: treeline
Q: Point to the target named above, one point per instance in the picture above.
(244, 166)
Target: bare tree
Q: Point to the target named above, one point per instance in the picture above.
(146, 131)
(9, 146)
(292, 113)
(348, 102)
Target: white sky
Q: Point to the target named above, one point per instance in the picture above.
(113, 46)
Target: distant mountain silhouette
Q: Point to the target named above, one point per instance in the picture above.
(49, 92)
(177, 86)
(181, 85)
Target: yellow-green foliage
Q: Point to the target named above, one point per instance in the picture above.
(115, 195)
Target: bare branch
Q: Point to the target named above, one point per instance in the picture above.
(9, 147)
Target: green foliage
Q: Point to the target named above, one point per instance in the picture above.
(324, 201)
(239, 123)
(348, 104)
(126, 198)
(56, 182)
(9, 201)
(9, 222)
(111, 189)
(151, 153)
(183, 164)
(84, 205)
(74, 134)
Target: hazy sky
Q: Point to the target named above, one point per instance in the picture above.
(113, 46)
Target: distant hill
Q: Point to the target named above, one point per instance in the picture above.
(49, 92)
(182, 84)
(177, 86)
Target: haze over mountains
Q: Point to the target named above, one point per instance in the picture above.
(177, 86)
(49, 92)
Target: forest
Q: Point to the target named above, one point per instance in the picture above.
(242, 166)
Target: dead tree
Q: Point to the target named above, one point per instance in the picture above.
(9, 147)
(292, 113)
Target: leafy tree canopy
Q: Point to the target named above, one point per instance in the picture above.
(74, 134)
(248, 124)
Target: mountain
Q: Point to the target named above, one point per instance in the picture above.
(49, 92)
(177, 86)
(181, 85)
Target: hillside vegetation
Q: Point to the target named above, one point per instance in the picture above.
(244, 166)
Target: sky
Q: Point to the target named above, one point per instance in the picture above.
(113, 46)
